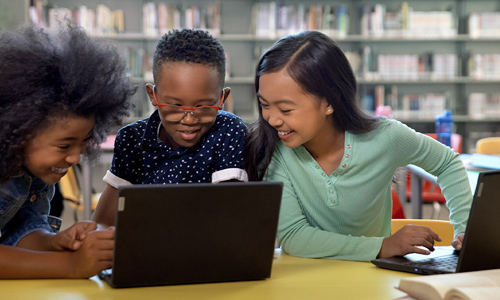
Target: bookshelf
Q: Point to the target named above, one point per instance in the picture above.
(445, 53)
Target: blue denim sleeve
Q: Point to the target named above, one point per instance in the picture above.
(30, 217)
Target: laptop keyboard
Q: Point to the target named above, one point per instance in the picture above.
(445, 262)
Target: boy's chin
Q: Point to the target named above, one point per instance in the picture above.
(180, 142)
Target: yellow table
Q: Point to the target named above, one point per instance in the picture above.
(292, 278)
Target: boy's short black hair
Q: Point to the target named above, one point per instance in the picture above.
(190, 45)
(49, 76)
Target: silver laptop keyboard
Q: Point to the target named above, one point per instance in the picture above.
(445, 262)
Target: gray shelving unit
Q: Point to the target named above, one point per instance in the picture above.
(244, 48)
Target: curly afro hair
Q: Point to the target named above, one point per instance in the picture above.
(190, 45)
(46, 76)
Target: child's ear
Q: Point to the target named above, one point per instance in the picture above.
(150, 92)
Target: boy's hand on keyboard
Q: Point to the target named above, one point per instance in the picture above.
(407, 239)
(457, 241)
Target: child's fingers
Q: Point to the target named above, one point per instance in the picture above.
(85, 227)
(457, 241)
(435, 236)
(64, 241)
(419, 250)
(103, 239)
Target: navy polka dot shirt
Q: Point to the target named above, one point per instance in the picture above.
(141, 158)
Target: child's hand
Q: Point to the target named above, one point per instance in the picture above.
(71, 238)
(457, 241)
(94, 254)
(407, 239)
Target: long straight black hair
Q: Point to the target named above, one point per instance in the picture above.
(320, 67)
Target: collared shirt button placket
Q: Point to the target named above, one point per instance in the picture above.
(332, 201)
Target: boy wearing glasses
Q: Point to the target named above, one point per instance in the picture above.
(188, 139)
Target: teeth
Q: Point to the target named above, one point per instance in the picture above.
(59, 170)
(284, 132)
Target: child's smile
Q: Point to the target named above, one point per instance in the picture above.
(60, 170)
(189, 135)
(285, 134)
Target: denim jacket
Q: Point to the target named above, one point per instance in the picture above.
(24, 208)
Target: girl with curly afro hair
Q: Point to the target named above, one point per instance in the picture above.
(60, 93)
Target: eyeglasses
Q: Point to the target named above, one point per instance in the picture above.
(201, 114)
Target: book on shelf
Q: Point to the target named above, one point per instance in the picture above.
(484, 24)
(85, 17)
(437, 66)
(160, 18)
(149, 19)
(101, 21)
(484, 66)
(273, 19)
(139, 63)
(477, 285)
(377, 21)
(38, 13)
(484, 106)
(406, 106)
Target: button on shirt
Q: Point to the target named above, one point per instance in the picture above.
(24, 207)
(141, 158)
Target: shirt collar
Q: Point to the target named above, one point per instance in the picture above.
(150, 138)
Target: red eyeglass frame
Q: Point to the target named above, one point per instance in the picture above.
(187, 108)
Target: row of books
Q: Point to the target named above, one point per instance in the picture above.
(484, 66)
(391, 67)
(139, 63)
(427, 105)
(273, 19)
(482, 105)
(158, 18)
(99, 21)
(377, 21)
(484, 24)
(405, 106)
(405, 66)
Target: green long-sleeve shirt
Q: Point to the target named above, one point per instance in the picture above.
(346, 214)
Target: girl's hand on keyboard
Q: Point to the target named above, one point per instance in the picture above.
(457, 241)
(407, 239)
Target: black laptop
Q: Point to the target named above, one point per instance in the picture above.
(481, 245)
(194, 233)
